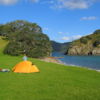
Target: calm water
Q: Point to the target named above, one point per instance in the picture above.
(84, 61)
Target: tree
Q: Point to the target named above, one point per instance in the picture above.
(27, 37)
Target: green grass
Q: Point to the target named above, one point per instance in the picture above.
(54, 82)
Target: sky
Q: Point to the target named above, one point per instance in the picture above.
(62, 20)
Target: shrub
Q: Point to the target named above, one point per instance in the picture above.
(84, 40)
(96, 43)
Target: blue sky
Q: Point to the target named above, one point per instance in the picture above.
(61, 20)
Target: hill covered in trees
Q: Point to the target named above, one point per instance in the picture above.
(25, 37)
(87, 45)
(60, 47)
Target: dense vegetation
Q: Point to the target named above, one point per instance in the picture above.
(87, 45)
(54, 82)
(60, 47)
(25, 37)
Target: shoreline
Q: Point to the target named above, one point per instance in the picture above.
(57, 61)
(52, 60)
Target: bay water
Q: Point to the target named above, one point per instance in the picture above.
(92, 62)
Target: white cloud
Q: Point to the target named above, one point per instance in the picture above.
(74, 4)
(67, 4)
(89, 18)
(8, 2)
(66, 38)
(76, 37)
(45, 29)
(60, 32)
(71, 38)
(11, 2)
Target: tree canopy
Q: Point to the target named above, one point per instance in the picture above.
(25, 37)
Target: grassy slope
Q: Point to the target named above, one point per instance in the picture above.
(54, 82)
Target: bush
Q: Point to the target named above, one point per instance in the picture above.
(97, 31)
(84, 40)
(96, 43)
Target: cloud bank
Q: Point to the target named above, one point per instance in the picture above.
(8, 2)
(71, 38)
(12, 2)
(75, 4)
(89, 18)
(59, 4)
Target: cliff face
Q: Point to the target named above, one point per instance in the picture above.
(76, 50)
(88, 45)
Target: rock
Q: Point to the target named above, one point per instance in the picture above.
(96, 51)
(88, 45)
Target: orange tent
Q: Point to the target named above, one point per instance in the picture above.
(25, 67)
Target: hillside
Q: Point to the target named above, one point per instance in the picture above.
(3, 43)
(25, 38)
(87, 45)
(60, 47)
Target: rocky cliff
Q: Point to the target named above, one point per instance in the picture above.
(88, 45)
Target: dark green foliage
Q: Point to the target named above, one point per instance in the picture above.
(25, 39)
(89, 37)
(56, 46)
(94, 38)
(84, 40)
(17, 26)
(96, 43)
(97, 31)
(60, 47)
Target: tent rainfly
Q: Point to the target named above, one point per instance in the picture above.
(25, 67)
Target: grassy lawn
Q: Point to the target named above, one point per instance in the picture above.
(54, 82)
